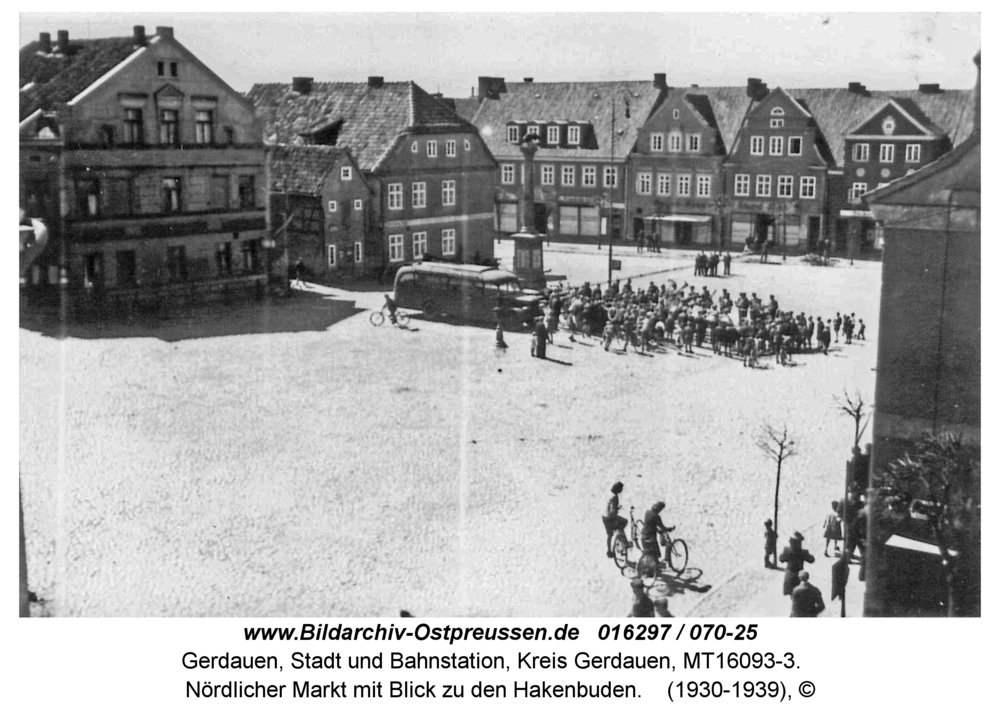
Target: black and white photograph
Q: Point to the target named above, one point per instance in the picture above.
(499, 314)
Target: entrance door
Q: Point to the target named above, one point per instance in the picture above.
(683, 233)
(125, 261)
(93, 271)
(764, 227)
(812, 234)
(638, 227)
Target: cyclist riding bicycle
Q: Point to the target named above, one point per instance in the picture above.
(390, 306)
(652, 525)
(613, 522)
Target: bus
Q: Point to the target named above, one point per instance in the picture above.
(480, 294)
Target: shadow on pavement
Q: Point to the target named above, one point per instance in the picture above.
(303, 312)
(687, 581)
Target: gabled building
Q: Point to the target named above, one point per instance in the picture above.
(146, 166)
(426, 173)
(776, 174)
(586, 130)
(677, 191)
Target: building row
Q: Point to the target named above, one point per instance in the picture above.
(152, 174)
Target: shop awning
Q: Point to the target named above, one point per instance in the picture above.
(689, 218)
(856, 213)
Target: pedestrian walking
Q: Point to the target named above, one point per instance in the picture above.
(299, 272)
(807, 600)
(861, 329)
(832, 530)
(837, 323)
(770, 545)
(794, 558)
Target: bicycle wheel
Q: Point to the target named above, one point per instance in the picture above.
(677, 556)
(377, 318)
(402, 319)
(620, 550)
(648, 567)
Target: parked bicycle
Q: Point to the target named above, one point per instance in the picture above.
(377, 318)
(648, 566)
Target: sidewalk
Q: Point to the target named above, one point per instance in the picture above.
(756, 592)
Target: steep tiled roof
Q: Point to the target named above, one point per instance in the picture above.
(466, 107)
(59, 78)
(568, 101)
(302, 169)
(373, 118)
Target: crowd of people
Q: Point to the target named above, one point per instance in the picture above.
(745, 327)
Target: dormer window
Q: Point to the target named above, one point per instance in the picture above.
(533, 129)
(573, 135)
(513, 134)
(553, 133)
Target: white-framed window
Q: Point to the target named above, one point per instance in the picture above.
(568, 175)
(676, 114)
(533, 129)
(886, 153)
(513, 134)
(795, 146)
(553, 134)
(448, 242)
(674, 142)
(807, 187)
(359, 252)
(395, 247)
(786, 187)
(345, 173)
(331, 255)
(450, 148)
(359, 204)
(448, 192)
(742, 185)
(704, 186)
(548, 175)
(912, 153)
(395, 196)
(763, 185)
(861, 152)
(415, 147)
(757, 146)
(663, 184)
(610, 176)
(656, 142)
(776, 146)
(694, 142)
(419, 244)
(857, 189)
(777, 122)
(331, 206)
(777, 111)
(432, 148)
(589, 176)
(644, 183)
(683, 185)
(418, 194)
(573, 135)
(506, 173)
(468, 145)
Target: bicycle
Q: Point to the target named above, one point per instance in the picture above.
(647, 565)
(377, 318)
(675, 550)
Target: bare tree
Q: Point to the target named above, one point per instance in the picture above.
(859, 412)
(939, 480)
(778, 446)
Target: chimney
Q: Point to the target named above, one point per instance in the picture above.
(934, 88)
(63, 41)
(302, 85)
(139, 35)
(528, 80)
(472, 91)
(46, 41)
(979, 73)
(376, 82)
(165, 32)
(660, 80)
(856, 88)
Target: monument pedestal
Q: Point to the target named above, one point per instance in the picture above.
(529, 262)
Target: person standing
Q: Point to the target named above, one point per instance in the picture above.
(861, 329)
(299, 274)
(837, 323)
(770, 545)
(794, 558)
(613, 522)
(541, 338)
(807, 600)
(832, 530)
(727, 261)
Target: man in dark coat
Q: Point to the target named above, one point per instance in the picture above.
(727, 260)
(794, 558)
(541, 338)
(770, 545)
(807, 600)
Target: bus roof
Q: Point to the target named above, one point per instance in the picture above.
(485, 273)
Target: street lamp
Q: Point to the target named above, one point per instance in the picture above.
(611, 189)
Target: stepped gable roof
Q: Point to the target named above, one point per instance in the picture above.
(302, 169)
(58, 78)
(568, 102)
(371, 119)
